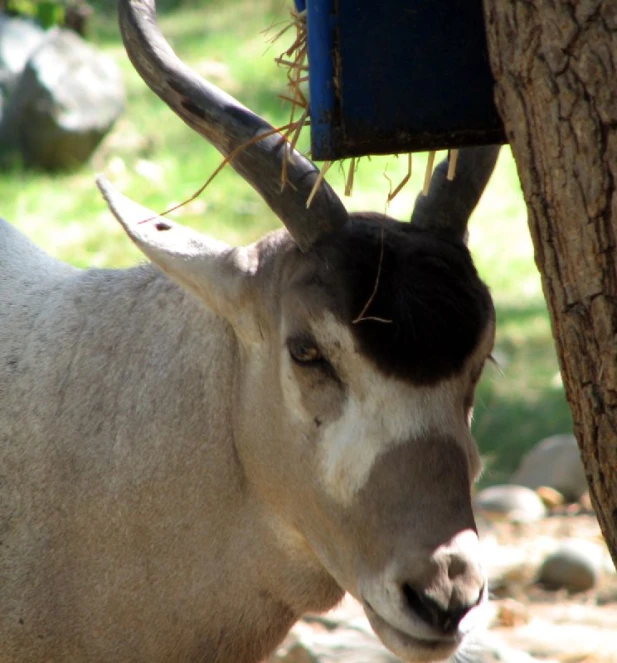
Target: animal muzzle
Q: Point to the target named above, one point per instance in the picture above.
(423, 609)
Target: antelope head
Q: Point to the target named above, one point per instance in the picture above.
(361, 340)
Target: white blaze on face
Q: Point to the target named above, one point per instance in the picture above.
(379, 413)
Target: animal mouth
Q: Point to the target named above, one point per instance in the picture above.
(411, 647)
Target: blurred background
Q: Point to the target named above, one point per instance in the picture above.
(153, 157)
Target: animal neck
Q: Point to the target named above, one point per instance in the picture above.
(164, 538)
(267, 568)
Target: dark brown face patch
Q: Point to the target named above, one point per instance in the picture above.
(427, 307)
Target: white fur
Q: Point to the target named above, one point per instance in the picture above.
(160, 449)
(380, 413)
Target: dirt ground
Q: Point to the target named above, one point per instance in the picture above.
(555, 625)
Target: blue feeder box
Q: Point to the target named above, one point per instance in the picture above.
(391, 76)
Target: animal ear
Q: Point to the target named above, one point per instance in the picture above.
(449, 203)
(216, 272)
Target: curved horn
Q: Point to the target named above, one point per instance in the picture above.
(228, 125)
(449, 203)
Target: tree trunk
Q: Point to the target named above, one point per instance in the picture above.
(555, 66)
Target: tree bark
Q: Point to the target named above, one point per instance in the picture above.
(555, 66)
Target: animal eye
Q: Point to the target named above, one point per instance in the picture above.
(303, 351)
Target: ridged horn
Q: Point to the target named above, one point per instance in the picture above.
(449, 203)
(228, 125)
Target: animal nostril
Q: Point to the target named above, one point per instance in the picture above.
(457, 567)
(442, 619)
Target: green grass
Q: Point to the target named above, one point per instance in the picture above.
(154, 158)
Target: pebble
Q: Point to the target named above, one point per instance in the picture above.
(509, 613)
(574, 566)
(510, 502)
(550, 497)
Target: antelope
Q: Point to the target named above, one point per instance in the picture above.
(196, 451)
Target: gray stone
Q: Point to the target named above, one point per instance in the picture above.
(575, 566)
(19, 38)
(66, 100)
(554, 462)
(510, 502)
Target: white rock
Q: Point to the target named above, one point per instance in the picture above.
(19, 38)
(554, 462)
(510, 502)
(65, 101)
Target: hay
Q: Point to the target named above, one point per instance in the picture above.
(295, 60)
(361, 316)
(392, 193)
(353, 164)
(218, 169)
(452, 164)
(428, 173)
(318, 181)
